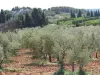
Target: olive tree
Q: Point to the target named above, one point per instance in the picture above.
(80, 51)
(35, 44)
(96, 43)
(47, 45)
(4, 42)
(1, 56)
(14, 42)
(8, 47)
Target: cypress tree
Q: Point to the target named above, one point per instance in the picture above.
(36, 17)
(8, 16)
(72, 15)
(88, 13)
(79, 14)
(28, 21)
(91, 13)
(44, 19)
(21, 20)
(98, 13)
(2, 16)
(95, 13)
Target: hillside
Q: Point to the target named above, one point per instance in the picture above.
(33, 17)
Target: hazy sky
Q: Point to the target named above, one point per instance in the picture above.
(8, 4)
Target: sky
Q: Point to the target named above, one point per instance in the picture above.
(86, 4)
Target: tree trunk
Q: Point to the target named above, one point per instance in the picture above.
(50, 58)
(96, 54)
(1, 64)
(90, 56)
(72, 66)
(57, 58)
(45, 57)
(80, 67)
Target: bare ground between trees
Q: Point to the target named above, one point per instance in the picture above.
(24, 58)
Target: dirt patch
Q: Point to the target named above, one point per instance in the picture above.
(24, 57)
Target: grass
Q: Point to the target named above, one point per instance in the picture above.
(37, 63)
(80, 21)
(8, 61)
(12, 69)
(77, 73)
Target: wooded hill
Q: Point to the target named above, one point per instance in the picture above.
(32, 17)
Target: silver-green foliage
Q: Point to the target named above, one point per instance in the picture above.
(80, 51)
(75, 44)
(62, 43)
(8, 46)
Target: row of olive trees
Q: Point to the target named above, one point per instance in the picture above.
(73, 44)
(9, 46)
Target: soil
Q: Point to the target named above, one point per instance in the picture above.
(24, 58)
